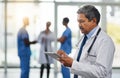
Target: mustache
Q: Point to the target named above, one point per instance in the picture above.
(81, 28)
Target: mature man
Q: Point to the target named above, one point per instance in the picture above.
(94, 56)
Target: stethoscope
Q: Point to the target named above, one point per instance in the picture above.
(92, 42)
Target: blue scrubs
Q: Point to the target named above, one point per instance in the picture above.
(24, 53)
(66, 46)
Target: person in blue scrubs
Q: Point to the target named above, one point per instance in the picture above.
(66, 45)
(24, 51)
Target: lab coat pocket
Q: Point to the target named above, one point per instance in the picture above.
(91, 57)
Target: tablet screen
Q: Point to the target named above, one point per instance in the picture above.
(53, 55)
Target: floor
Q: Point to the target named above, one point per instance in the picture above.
(34, 73)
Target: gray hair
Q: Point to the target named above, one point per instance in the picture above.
(90, 12)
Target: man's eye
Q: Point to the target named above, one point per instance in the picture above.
(81, 21)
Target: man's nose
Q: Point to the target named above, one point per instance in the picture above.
(80, 25)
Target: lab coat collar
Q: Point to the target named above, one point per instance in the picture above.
(93, 32)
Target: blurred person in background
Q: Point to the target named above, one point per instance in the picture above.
(66, 45)
(24, 51)
(45, 39)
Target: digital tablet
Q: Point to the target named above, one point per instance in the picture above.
(53, 55)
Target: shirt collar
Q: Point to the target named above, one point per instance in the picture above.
(92, 32)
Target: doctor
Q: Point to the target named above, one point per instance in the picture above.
(96, 56)
(66, 45)
(24, 52)
(45, 38)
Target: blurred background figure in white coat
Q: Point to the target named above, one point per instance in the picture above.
(45, 39)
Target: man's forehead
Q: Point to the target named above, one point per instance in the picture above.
(80, 16)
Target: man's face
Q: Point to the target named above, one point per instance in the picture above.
(48, 24)
(63, 23)
(26, 21)
(84, 24)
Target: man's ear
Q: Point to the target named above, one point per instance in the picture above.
(94, 20)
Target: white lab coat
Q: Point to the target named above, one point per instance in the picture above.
(50, 38)
(98, 63)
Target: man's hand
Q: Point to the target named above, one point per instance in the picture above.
(65, 59)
